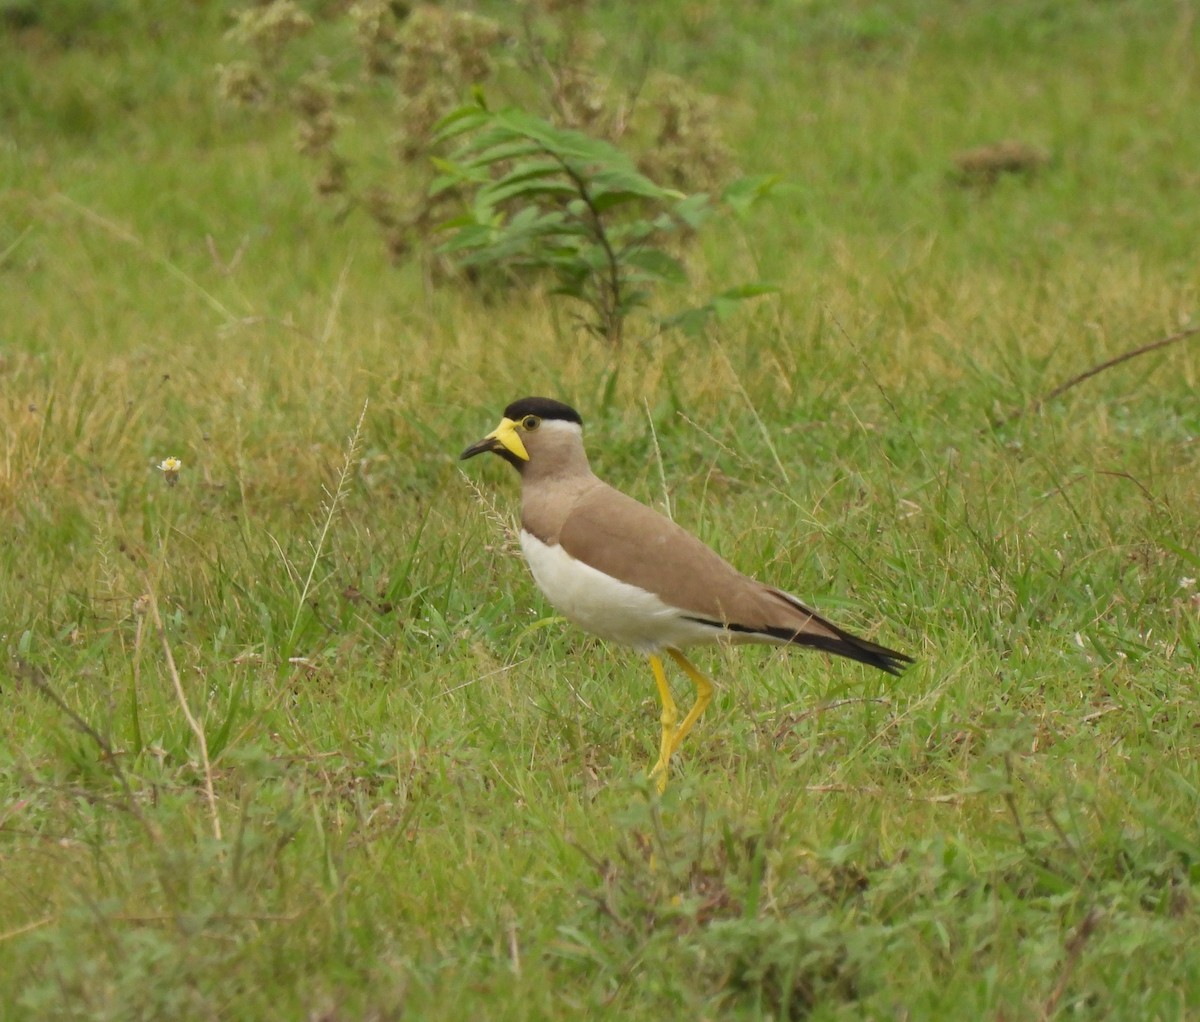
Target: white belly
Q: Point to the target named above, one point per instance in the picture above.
(607, 607)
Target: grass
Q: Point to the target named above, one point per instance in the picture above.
(430, 793)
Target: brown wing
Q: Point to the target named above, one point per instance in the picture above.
(626, 539)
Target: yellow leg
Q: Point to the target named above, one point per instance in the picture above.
(670, 716)
(704, 693)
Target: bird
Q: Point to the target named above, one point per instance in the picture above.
(621, 570)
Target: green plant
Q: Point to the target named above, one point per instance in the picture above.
(546, 185)
(552, 200)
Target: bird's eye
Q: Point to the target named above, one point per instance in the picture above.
(530, 423)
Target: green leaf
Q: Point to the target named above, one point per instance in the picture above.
(691, 321)
(531, 216)
(505, 149)
(532, 188)
(531, 168)
(754, 289)
(1190, 556)
(611, 200)
(464, 220)
(620, 181)
(657, 265)
(454, 175)
(460, 121)
(564, 142)
(633, 299)
(745, 192)
(721, 306)
(631, 235)
(726, 303)
(693, 210)
(477, 236)
(571, 287)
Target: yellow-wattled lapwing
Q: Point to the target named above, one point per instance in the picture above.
(621, 570)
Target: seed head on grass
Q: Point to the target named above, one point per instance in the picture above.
(330, 507)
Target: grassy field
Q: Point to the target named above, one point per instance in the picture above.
(420, 794)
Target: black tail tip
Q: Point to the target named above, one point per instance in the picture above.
(892, 662)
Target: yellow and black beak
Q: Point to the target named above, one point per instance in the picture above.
(504, 440)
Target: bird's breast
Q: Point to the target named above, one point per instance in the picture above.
(606, 606)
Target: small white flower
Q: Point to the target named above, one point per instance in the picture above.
(1186, 583)
(170, 467)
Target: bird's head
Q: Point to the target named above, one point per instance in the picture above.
(531, 426)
